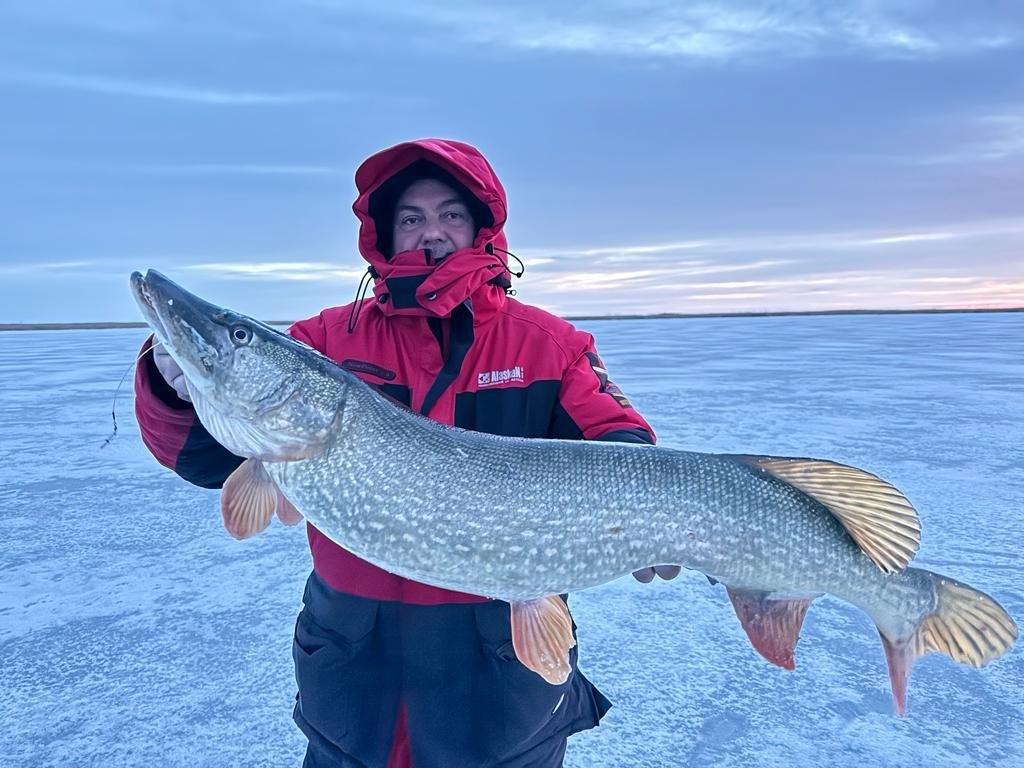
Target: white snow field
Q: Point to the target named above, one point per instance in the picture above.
(135, 632)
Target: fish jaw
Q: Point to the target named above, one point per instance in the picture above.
(146, 302)
(186, 325)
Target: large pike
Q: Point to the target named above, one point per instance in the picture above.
(526, 520)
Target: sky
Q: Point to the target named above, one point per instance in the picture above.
(767, 155)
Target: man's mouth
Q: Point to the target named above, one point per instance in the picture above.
(436, 254)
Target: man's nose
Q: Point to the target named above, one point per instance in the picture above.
(433, 230)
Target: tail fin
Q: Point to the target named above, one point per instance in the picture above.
(966, 625)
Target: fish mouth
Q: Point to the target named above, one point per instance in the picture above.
(147, 303)
(169, 307)
(190, 329)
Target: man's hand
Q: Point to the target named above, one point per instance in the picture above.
(171, 371)
(646, 575)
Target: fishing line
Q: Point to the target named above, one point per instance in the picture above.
(113, 406)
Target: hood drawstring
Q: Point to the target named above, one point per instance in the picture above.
(364, 283)
(491, 248)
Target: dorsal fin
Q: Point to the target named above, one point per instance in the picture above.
(875, 514)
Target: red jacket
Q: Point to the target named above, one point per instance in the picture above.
(443, 339)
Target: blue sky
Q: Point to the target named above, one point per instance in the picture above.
(658, 156)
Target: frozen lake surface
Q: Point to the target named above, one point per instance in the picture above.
(136, 632)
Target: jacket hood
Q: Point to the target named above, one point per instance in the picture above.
(408, 283)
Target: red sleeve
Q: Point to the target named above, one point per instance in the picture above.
(164, 419)
(593, 407)
(312, 332)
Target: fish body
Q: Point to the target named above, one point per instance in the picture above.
(525, 520)
(518, 519)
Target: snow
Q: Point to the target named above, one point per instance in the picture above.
(136, 632)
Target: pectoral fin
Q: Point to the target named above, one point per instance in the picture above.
(772, 624)
(286, 512)
(542, 637)
(249, 499)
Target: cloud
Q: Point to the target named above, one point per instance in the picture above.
(713, 254)
(877, 289)
(916, 267)
(712, 31)
(995, 138)
(919, 237)
(41, 268)
(978, 285)
(724, 296)
(650, 278)
(304, 271)
(147, 89)
(629, 250)
(232, 169)
(182, 169)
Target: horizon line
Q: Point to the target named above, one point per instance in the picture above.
(111, 325)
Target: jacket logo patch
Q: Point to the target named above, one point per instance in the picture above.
(494, 378)
(362, 366)
(606, 385)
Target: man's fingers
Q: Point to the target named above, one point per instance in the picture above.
(644, 575)
(181, 388)
(668, 571)
(171, 371)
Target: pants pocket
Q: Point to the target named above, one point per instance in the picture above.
(533, 710)
(337, 668)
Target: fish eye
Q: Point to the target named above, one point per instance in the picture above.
(240, 335)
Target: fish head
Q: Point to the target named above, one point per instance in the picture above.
(259, 392)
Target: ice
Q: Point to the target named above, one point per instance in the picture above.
(135, 631)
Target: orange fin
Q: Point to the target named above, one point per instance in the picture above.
(542, 637)
(248, 499)
(286, 511)
(772, 624)
(966, 624)
(875, 514)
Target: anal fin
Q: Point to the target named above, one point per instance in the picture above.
(772, 623)
(542, 637)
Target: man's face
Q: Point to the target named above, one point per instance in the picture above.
(430, 215)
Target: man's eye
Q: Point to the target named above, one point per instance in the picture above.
(409, 221)
(454, 216)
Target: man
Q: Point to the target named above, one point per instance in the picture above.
(392, 672)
